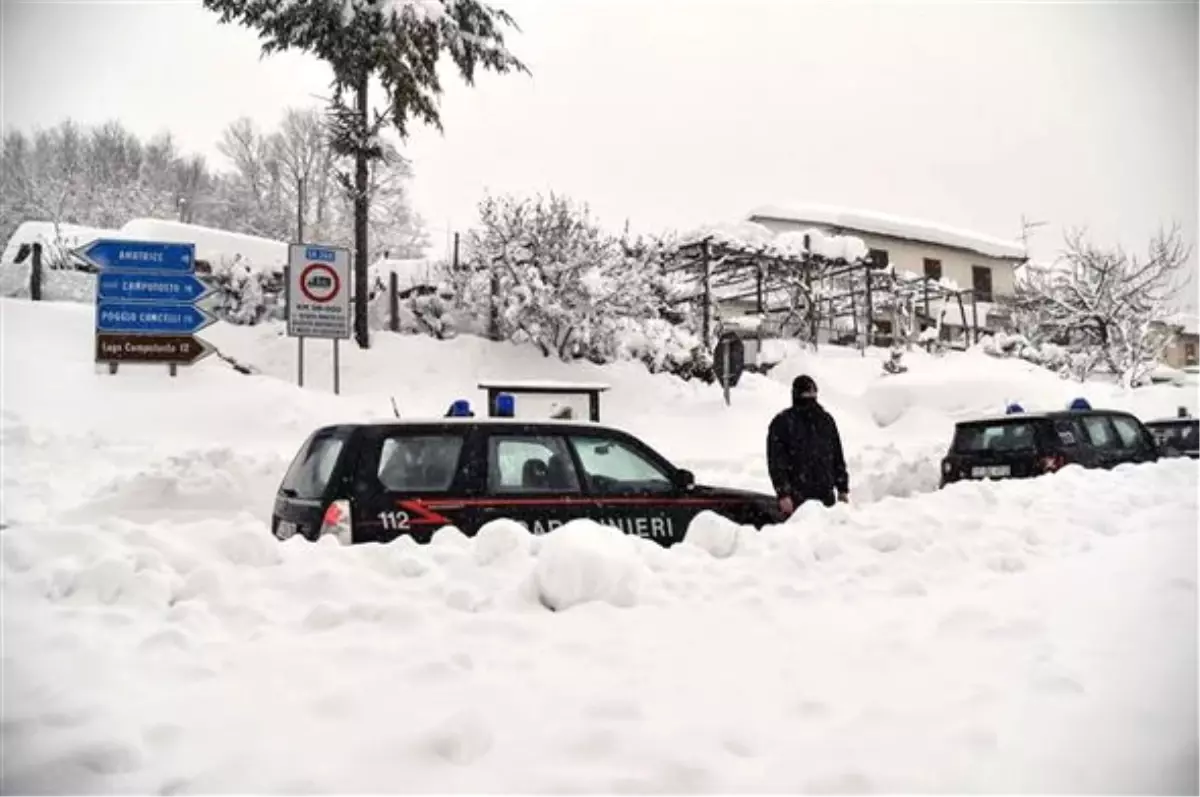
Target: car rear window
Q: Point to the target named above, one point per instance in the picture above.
(1184, 436)
(419, 462)
(994, 437)
(308, 475)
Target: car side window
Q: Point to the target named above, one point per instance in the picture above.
(1129, 433)
(410, 463)
(1099, 432)
(530, 464)
(610, 466)
(1067, 433)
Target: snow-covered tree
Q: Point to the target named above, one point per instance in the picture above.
(399, 42)
(1110, 307)
(543, 271)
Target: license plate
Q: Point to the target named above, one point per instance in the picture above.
(991, 471)
(285, 530)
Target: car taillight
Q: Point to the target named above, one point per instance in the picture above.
(946, 467)
(337, 522)
(1051, 464)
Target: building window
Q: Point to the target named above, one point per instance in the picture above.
(933, 268)
(878, 258)
(981, 283)
(1189, 353)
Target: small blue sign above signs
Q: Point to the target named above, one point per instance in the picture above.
(183, 288)
(149, 318)
(108, 253)
(320, 254)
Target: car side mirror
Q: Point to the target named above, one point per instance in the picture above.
(684, 478)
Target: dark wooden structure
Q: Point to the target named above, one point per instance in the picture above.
(540, 388)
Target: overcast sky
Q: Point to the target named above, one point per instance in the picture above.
(676, 113)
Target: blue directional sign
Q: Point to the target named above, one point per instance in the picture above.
(151, 287)
(149, 318)
(108, 253)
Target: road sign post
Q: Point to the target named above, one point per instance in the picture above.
(318, 299)
(146, 303)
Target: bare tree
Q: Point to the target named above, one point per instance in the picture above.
(302, 149)
(1112, 307)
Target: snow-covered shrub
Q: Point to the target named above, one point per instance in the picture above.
(245, 295)
(542, 271)
(422, 309)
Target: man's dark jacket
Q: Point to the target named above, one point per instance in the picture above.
(804, 453)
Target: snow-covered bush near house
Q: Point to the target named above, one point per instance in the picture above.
(658, 343)
(245, 294)
(1048, 355)
(425, 297)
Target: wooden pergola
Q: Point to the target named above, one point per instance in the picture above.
(808, 287)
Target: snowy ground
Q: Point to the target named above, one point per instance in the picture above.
(1029, 636)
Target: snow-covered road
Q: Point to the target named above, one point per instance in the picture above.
(1029, 636)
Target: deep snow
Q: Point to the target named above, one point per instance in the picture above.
(1026, 636)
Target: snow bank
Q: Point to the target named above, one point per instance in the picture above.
(965, 641)
(67, 236)
(889, 225)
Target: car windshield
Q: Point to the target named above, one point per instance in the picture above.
(309, 473)
(994, 436)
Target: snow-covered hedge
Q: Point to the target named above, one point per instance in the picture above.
(1051, 356)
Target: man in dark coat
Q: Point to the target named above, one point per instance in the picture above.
(804, 452)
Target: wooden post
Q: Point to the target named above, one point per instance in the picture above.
(454, 261)
(870, 336)
(726, 366)
(494, 293)
(337, 366)
(705, 321)
(854, 319)
(35, 274)
(962, 312)
(394, 302)
(974, 317)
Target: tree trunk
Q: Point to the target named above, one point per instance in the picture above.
(361, 208)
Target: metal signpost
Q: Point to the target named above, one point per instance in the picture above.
(146, 303)
(318, 299)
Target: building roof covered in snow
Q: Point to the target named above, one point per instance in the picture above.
(849, 220)
(216, 247)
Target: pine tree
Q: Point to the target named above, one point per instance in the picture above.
(399, 42)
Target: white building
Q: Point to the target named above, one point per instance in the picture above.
(973, 261)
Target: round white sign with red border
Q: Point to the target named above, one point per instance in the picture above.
(324, 287)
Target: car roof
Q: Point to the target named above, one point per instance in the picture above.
(1039, 416)
(1174, 420)
(486, 421)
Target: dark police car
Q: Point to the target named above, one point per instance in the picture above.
(1177, 437)
(1022, 445)
(376, 482)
